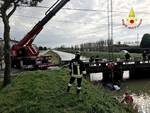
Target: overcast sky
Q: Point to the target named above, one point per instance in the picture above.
(70, 27)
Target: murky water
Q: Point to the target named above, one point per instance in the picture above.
(142, 102)
(138, 89)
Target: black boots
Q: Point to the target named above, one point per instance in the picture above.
(68, 88)
(78, 92)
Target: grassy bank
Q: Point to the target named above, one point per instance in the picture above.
(44, 92)
(115, 55)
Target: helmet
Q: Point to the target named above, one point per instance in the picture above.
(126, 93)
(110, 65)
(77, 53)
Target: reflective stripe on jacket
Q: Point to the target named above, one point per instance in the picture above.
(77, 67)
(78, 74)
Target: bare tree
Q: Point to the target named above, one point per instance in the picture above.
(7, 9)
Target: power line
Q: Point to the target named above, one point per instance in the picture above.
(87, 10)
(74, 22)
(27, 16)
(64, 21)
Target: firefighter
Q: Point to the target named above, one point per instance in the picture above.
(1, 63)
(108, 76)
(77, 70)
(127, 56)
(91, 60)
(144, 55)
(127, 98)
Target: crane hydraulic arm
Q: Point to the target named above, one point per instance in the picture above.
(24, 47)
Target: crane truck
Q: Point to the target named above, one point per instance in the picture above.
(24, 54)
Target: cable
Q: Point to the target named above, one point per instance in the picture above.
(64, 21)
(27, 16)
(89, 10)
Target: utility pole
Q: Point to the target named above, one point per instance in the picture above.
(108, 23)
(137, 39)
(111, 12)
(110, 28)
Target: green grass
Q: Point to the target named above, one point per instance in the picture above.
(1, 83)
(115, 55)
(45, 92)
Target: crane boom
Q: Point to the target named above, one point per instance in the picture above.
(24, 50)
(26, 42)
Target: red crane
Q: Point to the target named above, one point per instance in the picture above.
(24, 52)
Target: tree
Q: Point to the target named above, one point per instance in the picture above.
(1, 50)
(40, 48)
(45, 48)
(1, 55)
(119, 43)
(7, 9)
(145, 43)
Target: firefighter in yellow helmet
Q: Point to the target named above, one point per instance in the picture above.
(77, 70)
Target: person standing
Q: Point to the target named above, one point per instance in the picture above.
(144, 55)
(127, 56)
(1, 63)
(91, 60)
(77, 70)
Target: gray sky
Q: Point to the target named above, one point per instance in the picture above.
(70, 27)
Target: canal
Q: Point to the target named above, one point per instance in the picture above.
(139, 89)
(67, 56)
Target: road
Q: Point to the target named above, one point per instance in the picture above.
(67, 56)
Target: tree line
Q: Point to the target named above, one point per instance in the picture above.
(108, 45)
(102, 45)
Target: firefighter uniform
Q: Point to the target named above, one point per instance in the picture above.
(77, 70)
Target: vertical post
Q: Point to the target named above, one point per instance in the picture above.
(108, 20)
(110, 28)
(137, 39)
(111, 12)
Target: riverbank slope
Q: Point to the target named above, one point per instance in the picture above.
(45, 92)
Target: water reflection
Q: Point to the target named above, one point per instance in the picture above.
(99, 76)
(96, 76)
(142, 102)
